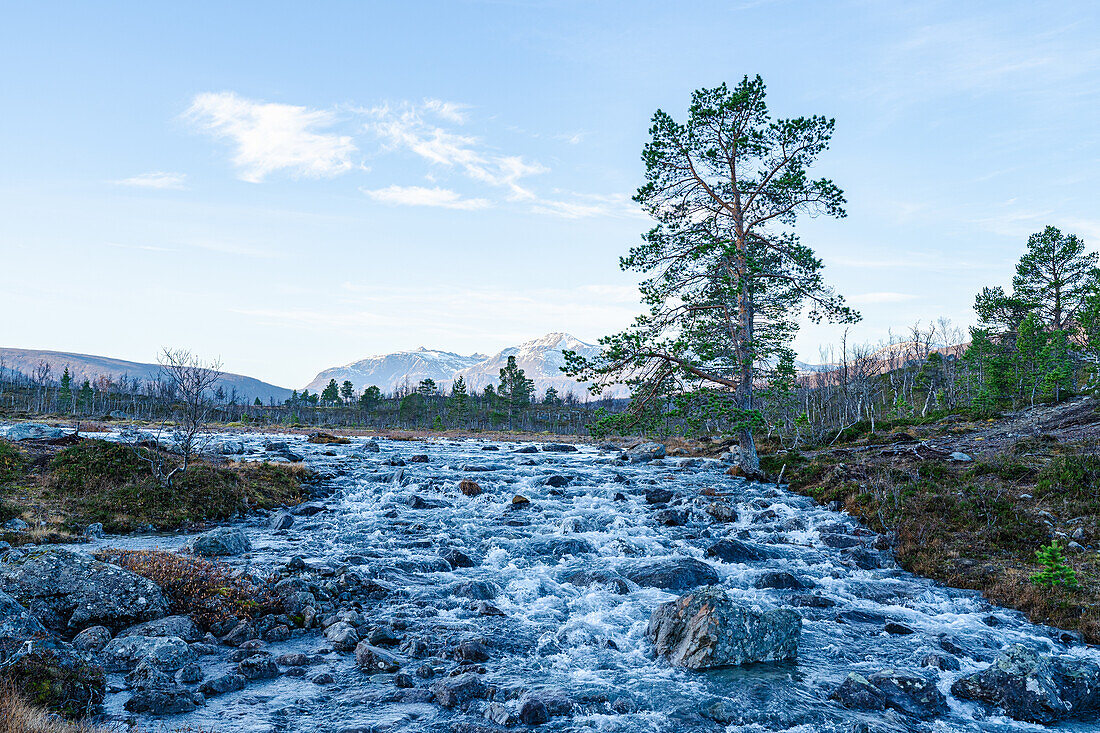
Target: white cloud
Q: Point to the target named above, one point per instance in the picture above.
(877, 298)
(450, 111)
(421, 196)
(407, 127)
(156, 179)
(271, 137)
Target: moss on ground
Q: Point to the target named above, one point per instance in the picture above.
(101, 481)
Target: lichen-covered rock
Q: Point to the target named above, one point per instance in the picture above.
(69, 592)
(706, 629)
(221, 542)
(179, 626)
(33, 431)
(17, 625)
(258, 667)
(909, 694)
(1034, 687)
(342, 636)
(222, 684)
(166, 653)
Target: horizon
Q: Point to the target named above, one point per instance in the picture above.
(288, 205)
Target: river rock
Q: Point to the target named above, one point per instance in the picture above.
(222, 684)
(342, 636)
(33, 431)
(557, 547)
(735, 551)
(675, 574)
(282, 520)
(457, 559)
(559, 448)
(1034, 687)
(68, 592)
(909, 694)
(604, 579)
(646, 452)
(258, 667)
(221, 542)
(179, 626)
(92, 639)
(459, 691)
(781, 580)
(167, 653)
(372, 659)
(706, 629)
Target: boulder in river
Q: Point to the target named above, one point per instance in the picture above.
(735, 551)
(33, 431)
(909, 694)
(1034, 687)
(372, 659)
(675, 574)
(69, 592)
(646, 452)
(166, 653)
(221, 542)
(459, 691)
(706, 629)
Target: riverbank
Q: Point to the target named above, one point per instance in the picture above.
(976, 519)
(55, 490)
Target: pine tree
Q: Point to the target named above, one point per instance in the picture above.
(371, 398)
(458, 402)
(258, 402)
(84, 397)
(1056, 570)
(551, 397)
(347, 390)
(1055, 276)
(725, 275)
(65, 394)
(330, 395)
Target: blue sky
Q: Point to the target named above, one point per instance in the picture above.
(291, 186)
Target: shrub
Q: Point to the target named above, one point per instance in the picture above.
(207, 590)
(1056, 571)
(1074, 476)
(11, 462)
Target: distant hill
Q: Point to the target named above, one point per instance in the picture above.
(541, 360)
(87, 366)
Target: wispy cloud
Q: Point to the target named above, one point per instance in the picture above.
(140, 247)
(573, 205)
(272, 137)
(155, 179)
(421, 196)
(417, 128)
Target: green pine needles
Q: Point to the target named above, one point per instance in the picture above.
(1056, 571)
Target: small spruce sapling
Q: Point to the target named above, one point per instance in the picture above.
(1056, 571)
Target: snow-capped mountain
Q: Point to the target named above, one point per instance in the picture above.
(540, 359)
(390, 371)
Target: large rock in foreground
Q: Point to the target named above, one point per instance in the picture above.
(1034, 687)
(706, 629)
(69, 592)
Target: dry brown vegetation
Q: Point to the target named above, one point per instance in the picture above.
(19, 716)
(207, 590)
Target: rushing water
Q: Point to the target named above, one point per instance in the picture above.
(589, 643)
